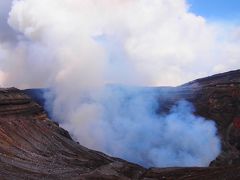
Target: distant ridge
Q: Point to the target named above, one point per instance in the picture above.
(222, 78)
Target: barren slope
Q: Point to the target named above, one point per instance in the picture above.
(33, 147)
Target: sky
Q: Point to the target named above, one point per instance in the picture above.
(222, 10)
(156, 42)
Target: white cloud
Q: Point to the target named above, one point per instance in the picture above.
(163, 43)
(77, 47)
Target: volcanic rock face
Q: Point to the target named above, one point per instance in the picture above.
(34, 147)
(217, 98)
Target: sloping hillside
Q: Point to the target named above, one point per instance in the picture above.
(34, 147)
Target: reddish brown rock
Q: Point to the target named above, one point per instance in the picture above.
(33, 147)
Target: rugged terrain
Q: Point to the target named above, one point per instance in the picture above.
(34, 147)
(217, 98)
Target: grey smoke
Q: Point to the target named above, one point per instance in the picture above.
(7, 33)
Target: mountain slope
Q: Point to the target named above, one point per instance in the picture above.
(34, 147)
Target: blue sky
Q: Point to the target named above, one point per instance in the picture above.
(221, 10)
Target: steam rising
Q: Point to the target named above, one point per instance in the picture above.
(78, 47)
(125, 124)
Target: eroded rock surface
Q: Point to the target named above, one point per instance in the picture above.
(34, 147)
(217, 98)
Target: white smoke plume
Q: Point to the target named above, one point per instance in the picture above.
(76, 47)
(125, 124)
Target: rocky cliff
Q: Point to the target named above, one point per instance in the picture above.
(34, 147)
(218, 98)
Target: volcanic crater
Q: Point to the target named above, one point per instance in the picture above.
(32, 146)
